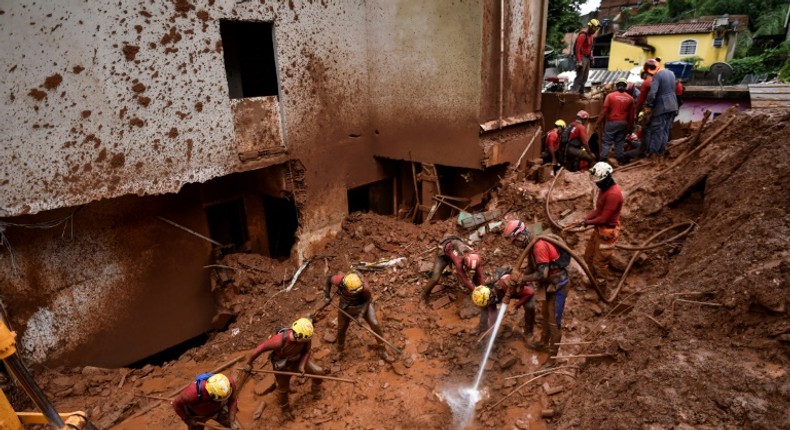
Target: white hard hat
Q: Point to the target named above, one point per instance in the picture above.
(600, 171)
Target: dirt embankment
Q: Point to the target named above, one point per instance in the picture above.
(698, 336)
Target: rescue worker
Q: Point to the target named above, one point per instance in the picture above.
(663, 103)
(632, 91)
(356, 299)
(211, 397)
(577, 148)
(462, 258)
(606, 219)
(547, 268)
(486, 297)
(553, 145)
(290, 351)
(582, 52)
(618, 115)
(643, 115)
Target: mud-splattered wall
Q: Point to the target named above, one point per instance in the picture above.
(106, 100)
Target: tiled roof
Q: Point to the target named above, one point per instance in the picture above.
(671, 28)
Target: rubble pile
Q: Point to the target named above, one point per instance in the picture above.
(698, 338)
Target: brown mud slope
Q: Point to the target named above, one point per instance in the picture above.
(721, 363)
(675, 363)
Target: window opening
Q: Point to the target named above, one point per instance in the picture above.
(248, 49)
(227, 223)
(688, 47)
(376, 197)
(281, 223)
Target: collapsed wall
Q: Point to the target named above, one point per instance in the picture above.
(707, 347)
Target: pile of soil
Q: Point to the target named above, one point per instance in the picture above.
(673, 363)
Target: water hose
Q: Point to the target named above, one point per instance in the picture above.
(643, 247)
(554, 240)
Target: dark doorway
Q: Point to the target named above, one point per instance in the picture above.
(248, 48)
(170, 354)
(376, 197)
(281, 223)
(227, 223)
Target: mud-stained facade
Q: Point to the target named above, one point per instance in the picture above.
(202, 111)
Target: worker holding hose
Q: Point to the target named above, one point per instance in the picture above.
(355, 299)
(547, 264)
(290, 351)
(486, 297)
(606, 219)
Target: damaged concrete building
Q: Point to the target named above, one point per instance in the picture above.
(259, 125)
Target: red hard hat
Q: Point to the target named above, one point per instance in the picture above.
(471, 261)
(583, 115)
(650, 65)
(512, 229)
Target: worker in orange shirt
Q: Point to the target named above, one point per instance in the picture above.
(618, 115)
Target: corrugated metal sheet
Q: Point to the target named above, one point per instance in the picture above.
(603, 76)
(769, 96)
(676, 28)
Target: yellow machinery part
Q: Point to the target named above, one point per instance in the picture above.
(7, 342)
(8, 418)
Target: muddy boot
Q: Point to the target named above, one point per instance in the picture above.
(285, 407)
(316, 391)
(339, 354)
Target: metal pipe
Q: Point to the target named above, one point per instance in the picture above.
(29, 386)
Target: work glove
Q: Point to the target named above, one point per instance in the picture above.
(235, 425)
(327, 299)
(301, 373)
(248, 368)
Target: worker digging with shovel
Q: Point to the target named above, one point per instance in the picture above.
(356, 300)
(290, 352)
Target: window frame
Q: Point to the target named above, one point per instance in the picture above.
(688, 42)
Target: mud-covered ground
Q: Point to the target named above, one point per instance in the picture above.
(697, 338)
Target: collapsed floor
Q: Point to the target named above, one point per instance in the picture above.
(698, 337)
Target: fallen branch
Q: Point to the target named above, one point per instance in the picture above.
(192, 232)
(542, 371)
(583, 356)
(306, 375)
(695, 302)
(524, 152)
(298, 272)
(574, 343)
(654, 320)
(515, 390)
(485, 334)
(146, 396)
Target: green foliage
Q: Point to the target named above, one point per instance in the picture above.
(695, 60)
(563, 17)
(650, 15)
(771, 61)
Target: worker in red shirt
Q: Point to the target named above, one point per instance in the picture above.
(356, 299)
(606, 219)
(546, 266)
(486, 297)
(211, 397)
(290, 351)
(552, 153)
(577, 149)
(462, 258)
(618, 115)
(582, 52)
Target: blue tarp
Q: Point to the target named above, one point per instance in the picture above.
(681, 69)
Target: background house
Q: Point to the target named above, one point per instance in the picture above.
(707, 39)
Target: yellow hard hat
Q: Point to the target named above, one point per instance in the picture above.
(560, 123)
(481, 295)
(352, 282)
(594, 23)
(303, 328)
(218, 387)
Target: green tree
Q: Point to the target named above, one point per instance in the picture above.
(563, 17)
